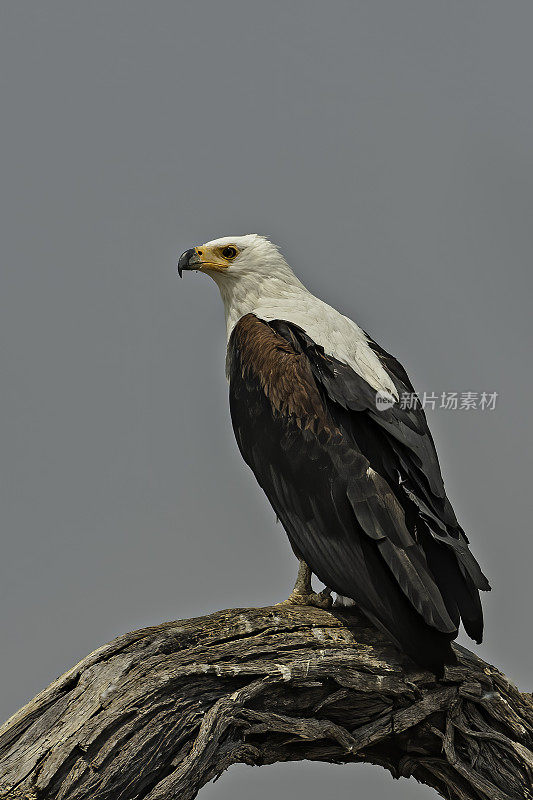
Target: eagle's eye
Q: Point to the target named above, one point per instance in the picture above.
(229, 252)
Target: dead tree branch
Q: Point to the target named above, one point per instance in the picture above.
(159, 712)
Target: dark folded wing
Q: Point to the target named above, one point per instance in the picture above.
(294, 414)
(397, 439)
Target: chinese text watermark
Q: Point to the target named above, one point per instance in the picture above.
(449, 401)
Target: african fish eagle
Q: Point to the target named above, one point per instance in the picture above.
(356, 483)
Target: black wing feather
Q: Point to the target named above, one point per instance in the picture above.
(336, 491)
(412, 458)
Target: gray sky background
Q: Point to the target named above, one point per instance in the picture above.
(388, 148)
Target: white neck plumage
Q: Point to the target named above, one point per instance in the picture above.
(278, 294)
(268, 295)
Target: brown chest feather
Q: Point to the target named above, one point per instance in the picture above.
(283, 373)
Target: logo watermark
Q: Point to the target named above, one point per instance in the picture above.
(449, 401)
(384, 400)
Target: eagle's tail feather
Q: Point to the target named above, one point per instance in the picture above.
(460, 594)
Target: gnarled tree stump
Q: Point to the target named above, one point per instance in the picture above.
(159, 712)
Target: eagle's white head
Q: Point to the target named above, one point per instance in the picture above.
(254, 278)
(233, 258)
(249, 271)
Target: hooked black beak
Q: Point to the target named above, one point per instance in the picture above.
(188, 260)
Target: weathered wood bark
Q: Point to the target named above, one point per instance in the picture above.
(159, 712)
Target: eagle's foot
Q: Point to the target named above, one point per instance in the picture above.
(317, 599)
(303, 595)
